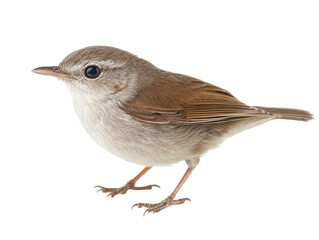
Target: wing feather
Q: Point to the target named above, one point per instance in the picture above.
(178, 99)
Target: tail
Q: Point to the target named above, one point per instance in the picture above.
(289, 113)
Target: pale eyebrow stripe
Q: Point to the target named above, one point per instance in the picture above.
(111, 64)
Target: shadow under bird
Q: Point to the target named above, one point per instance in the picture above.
(152, 117)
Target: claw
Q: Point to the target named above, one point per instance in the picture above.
(97, 186)
(122, 190)
(136, 204)
(145, 212)
(157, 207)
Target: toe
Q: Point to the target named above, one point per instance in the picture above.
(157, 207)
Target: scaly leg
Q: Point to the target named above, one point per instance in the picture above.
(129, 185)
(156, 207)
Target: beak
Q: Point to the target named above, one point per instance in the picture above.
(52, 71)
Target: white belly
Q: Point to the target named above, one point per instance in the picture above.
(148, 144)
(131, 140)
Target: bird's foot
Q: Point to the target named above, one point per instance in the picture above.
(156, 207)
(122, 190)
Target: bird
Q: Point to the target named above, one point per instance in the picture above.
(153, 117)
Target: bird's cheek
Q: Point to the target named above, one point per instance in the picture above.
(116, 86)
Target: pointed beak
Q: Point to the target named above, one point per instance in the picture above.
(52, 71)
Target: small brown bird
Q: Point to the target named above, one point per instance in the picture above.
(153, 117)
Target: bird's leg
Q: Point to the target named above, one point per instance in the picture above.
(129, 185)
(156, 207)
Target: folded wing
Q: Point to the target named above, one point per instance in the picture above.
(179, 99)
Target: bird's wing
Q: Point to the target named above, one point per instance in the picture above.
(180, 99)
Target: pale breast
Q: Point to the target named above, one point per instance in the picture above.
(127, 138)
(146, 143)
(134, 141)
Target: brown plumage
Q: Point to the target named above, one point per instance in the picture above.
(153, 117)
(180, 99)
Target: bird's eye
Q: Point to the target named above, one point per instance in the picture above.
(92, 71)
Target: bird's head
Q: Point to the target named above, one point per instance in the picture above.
(98, 71)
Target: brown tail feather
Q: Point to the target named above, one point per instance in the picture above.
(289, 113)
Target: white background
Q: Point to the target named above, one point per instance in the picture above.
(260, 184)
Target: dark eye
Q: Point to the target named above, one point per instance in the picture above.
(92, 71)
